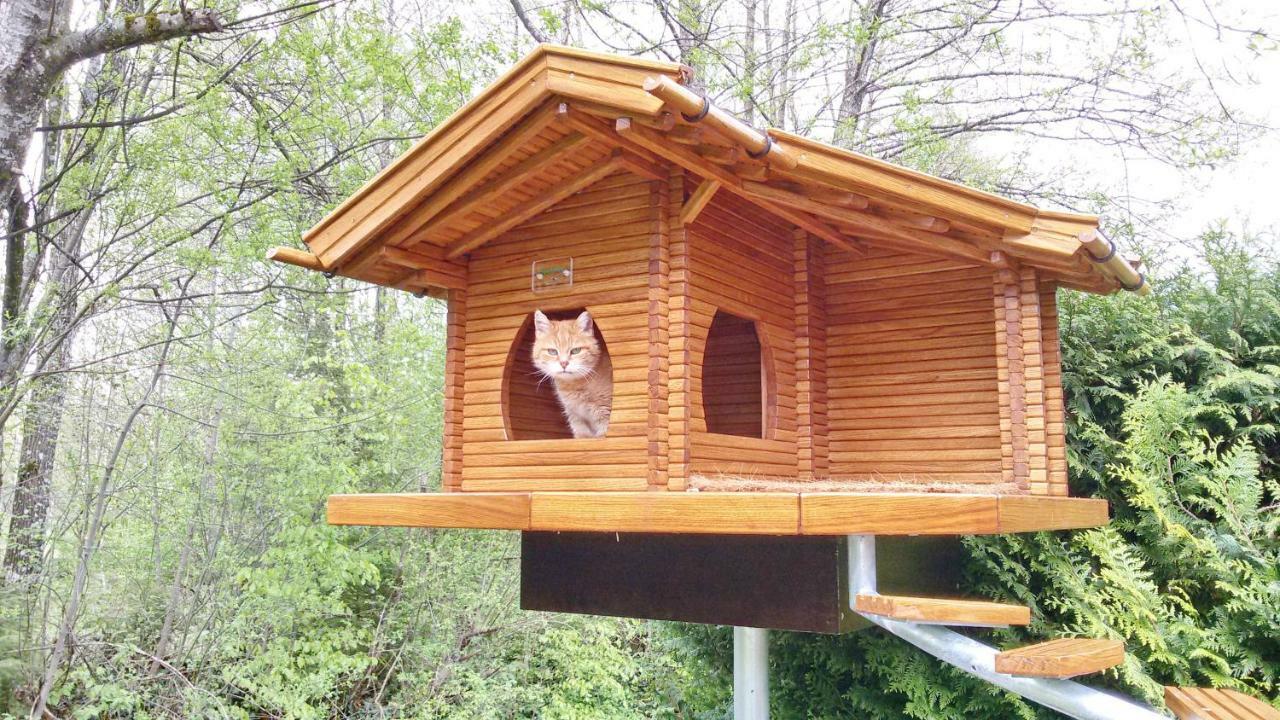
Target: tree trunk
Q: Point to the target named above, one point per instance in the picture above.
(861, 57)
(23, 559)
(31, 58)
(89, 544)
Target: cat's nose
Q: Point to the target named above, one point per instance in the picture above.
(564, 364)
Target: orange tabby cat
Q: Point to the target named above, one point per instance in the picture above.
(567, 352)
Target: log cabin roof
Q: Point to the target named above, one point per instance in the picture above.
(563, 118)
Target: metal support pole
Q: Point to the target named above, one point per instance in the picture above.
(750, 673)
(1069, 698)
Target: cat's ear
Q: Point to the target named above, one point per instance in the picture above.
(584, 322)
(541, 322)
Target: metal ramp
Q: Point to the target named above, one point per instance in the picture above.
(1039, 670)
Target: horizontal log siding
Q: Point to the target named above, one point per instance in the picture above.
(911, 369)
(741, 260)
(607, 230)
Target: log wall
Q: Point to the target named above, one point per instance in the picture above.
(608, 231)
(741, 261)
(911, 369)
(886, 366)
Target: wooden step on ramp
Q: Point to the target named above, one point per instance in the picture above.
(1190, 703)
(1062, 658)
(940, 611)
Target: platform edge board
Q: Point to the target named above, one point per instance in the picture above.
(726, 513)
(667, 512)
(489, 511)
(900, 514)
(1029, 513)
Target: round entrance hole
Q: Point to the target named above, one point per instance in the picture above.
(530, 408)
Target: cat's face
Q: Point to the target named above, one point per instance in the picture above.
(564, 348)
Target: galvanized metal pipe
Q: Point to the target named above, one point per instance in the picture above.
(1067, 697)
(750, 673)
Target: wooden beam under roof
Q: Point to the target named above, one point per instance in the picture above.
(863, 223)
(698, 200)
(528, 209)
(429, 270)
(421, 171)
(709, 170)
(485, 194)
(643, 167)
(403, 232)
(936, 245)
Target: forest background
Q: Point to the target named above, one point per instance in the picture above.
(174, 410)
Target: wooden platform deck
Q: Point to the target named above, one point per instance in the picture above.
(722, 513)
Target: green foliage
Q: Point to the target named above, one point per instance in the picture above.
(1172, 412)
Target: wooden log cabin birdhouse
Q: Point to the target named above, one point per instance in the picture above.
(815, 341)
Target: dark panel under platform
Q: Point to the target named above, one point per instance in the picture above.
(777, 582)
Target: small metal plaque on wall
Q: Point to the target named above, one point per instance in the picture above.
(555, 274)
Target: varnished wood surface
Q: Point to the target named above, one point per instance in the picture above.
(867, 514)
(1061, 658)
(943, 611)
(735, 513)
(728, 513)
(849, 200)
(498, 511)
(911, 369)
(1191, 703)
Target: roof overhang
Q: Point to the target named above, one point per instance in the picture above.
(562, 118)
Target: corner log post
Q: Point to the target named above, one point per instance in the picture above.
(1008, 351)
(660, 203)
(811, 358)
(680, 331)
(454, 364)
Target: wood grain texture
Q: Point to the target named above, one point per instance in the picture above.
(659, 328)
(887, 514)
(943, 611)
(847, 199)
(1030, 513)
(1033, 381)
(701, 512)
(732, 381)
(609, 229)
(911, 348)
(454, 362)
(728, 513)
(1061, 658)
(500, 511)
(1055, 414)
(680, 330)
(1191, 703)
(812, 444)
(741, 270)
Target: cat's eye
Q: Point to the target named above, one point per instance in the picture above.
(575, 351)
(552, 352)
